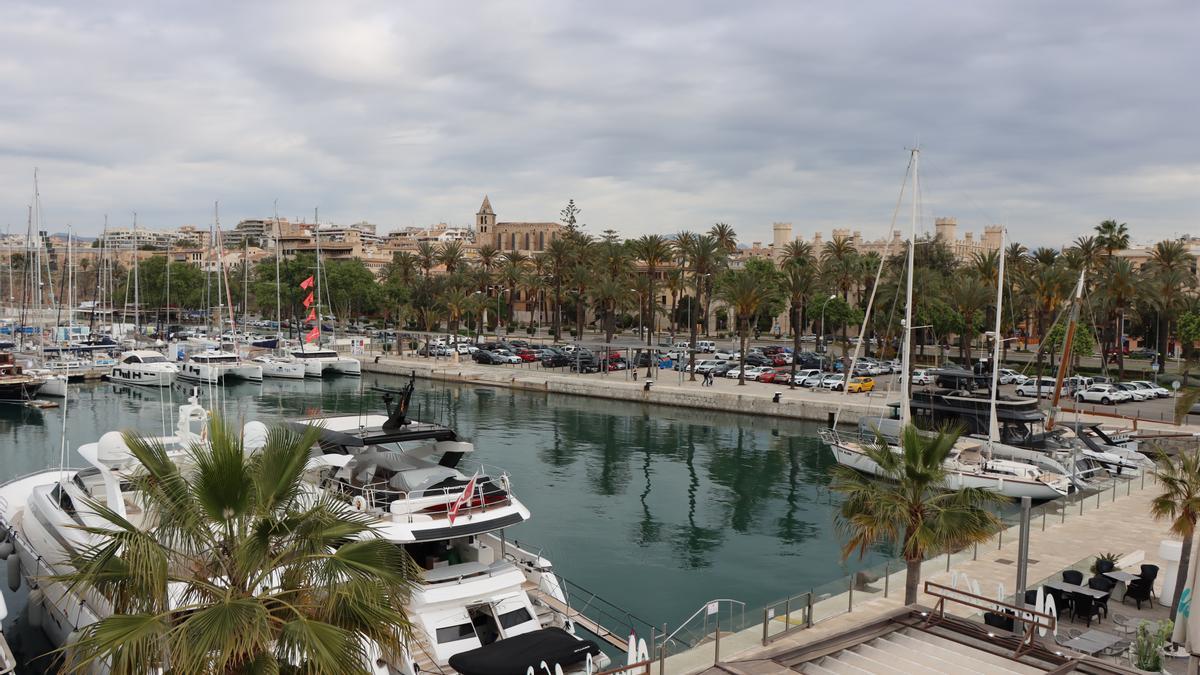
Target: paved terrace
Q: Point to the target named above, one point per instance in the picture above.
(1122, 525)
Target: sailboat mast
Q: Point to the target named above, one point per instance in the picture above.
(137, 307)
(278, 311)
(1065, 362)
(993, 421)
(905, 355)
(317, 295)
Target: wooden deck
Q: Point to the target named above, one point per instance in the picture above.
(619, 641)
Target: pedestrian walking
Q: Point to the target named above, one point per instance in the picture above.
(708, 379)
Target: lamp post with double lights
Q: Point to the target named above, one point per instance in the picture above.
(821, 337)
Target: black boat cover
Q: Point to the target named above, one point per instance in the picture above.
(515, 655)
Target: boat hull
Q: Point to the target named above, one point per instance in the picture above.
(127, 374)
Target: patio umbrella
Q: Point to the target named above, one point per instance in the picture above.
(1187, 632)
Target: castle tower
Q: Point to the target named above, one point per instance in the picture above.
(992, 237)
(486, 218)
(782, 235)
(946, 229)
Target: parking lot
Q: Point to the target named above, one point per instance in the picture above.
(620, 363)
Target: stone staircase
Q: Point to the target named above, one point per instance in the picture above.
(912, 651)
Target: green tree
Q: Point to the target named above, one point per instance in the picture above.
(744, 292)
(243, 569)
(653, 250)
(1179, 502)
(1112, 236)
(910, 505)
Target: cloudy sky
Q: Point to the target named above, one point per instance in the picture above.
(654, 116)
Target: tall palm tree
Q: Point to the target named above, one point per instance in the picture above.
(242, 569)
(799, 279)
(744, 292)
(1112, 236)
(706, 256)
(1171, 276)
(512, 275)
(839, 267)
(488, 256)
(725, 236)
(653, 250)
(910, 504)
(427, 257)
(1119, 288)
(968, 296)
(1179, 503)
(452, 256)
(675, 283)
(558, 253)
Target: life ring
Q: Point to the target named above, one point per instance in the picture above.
(359, 503)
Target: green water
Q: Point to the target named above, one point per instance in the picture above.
(656, 509)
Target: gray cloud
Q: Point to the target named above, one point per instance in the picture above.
(653, 116)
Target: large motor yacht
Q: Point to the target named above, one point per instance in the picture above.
(319, 362)
(217, 367)
(144, 367)
(479, 591)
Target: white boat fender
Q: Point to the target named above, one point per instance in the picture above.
(36, 607)
(6, 549)
(14, 572)
(359, 503)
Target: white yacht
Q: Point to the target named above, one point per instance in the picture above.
(483, 599)
(320, 362)
(8, 663)
(285, 367)
(216, 367)
(144, 367)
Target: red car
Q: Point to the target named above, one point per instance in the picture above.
(526, 355)
(769, 376)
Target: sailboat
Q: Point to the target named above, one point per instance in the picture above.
(970, 462)
(276, 365)
(319, 361)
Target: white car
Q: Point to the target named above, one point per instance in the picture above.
(466, 348)
(833, 382)
(814, 381)
(1160, 392)
(1135, 392)
(752, 372)
(706, 346)
(1011, 377)
(508, 356)
(724, 355)
(921, 377)
(1030, 387)
(1105, 394)
(703, 367)
(803, 376)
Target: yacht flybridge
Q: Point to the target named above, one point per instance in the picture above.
(478, 591)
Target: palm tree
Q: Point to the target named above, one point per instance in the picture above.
(488, 255)
(1179, 503)
(457, 303)
(653, 250)
(910, 505)
(839, 266)
(427, 257)
(1171, 276)
(968, 296)
(1119, 287)
(452, 256)
(242, 570)
(744, 292)
(607, 293)
(798, 281)
(706, 255)
(1112, 236)
(675, 283)
(725, 236)
(512, 275)
(558, 254)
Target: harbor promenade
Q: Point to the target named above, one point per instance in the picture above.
(669, 387)
(1118, 523)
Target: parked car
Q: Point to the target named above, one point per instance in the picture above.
(1078, 382)
(803, 375)
(706, 346)
(703, 367)
(1135, 392)
(1030, 387)
(813, 381)
(527, 355)
(508, 356)
(552, 358)
(1143, 353)
(723, 367)
(584, 361)
(860, 384)
(1009, 376)
(1105, 394)
(487, 358)
(1160, 392)
(833, 382)
(465, 348)
(723, 355)
(921, 377)
(759, 360)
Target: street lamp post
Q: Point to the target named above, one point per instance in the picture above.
(821, 337)
(692, 332)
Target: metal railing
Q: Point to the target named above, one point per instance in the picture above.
(781, 613)
(379, 498)
(689, 635)
(610, 616)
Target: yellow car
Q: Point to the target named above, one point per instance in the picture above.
(858, 384)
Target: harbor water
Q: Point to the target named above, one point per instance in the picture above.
(655, 509)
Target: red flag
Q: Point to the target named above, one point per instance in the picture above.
(306, 284)
(313, 334)
(468, 493)
(309, 300)
(312, 315)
